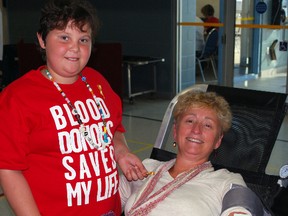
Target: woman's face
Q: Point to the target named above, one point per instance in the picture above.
(197, 133)
(67, 52)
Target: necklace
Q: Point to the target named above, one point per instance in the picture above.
(82, 128)
(141, 209)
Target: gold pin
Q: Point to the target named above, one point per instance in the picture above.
(151, 173)
(100, 90)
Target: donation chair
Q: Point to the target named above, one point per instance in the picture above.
(208, 53)
(247, 146)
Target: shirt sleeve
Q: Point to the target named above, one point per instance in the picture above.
(13, 133)
(234, 178)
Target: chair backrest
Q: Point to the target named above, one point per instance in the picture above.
(257, 117)
(247, 146)
(211, 44)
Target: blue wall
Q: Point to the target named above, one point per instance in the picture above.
(142, 27)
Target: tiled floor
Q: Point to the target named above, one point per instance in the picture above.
(142, 120)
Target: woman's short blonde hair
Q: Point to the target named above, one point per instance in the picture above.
(211, 100)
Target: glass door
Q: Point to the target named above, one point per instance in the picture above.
(190, 24)
(260, 53)
(252, 49)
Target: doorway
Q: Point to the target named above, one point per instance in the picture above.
(250, 34)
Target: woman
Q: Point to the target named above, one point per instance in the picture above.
(187, 185)
(61, 132)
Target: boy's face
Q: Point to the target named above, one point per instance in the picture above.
(67, 52)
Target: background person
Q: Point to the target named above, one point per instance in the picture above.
(208, 13)
(61, 132)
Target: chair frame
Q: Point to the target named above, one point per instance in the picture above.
(208, 55)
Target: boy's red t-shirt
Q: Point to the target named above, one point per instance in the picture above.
(40, 137)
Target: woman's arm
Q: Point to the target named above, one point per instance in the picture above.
(130, 164)
(236, 212)
(18, 193)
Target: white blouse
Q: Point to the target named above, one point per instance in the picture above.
(200, 196)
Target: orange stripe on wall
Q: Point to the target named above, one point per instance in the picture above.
(237, 25)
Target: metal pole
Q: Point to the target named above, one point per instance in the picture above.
(228, 40)
(287, 77)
